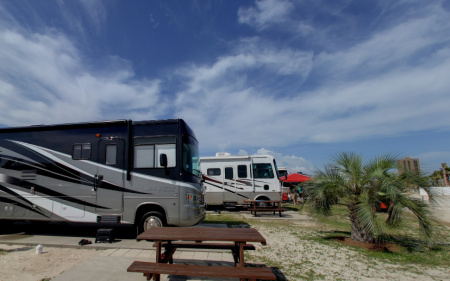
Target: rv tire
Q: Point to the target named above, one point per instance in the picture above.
(151, 219)
(261, 204)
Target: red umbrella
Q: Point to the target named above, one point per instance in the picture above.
(295, 178)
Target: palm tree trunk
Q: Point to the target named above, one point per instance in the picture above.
(359, 233)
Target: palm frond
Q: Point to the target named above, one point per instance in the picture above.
(325, 190)
(366, 215)
(395, 212)
(350, 165)
(422, 212)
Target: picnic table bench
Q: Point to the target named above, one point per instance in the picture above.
(249, 273)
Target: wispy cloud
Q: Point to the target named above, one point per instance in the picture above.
(389, 83)
(44, 79)
(293, 163)
(265, 13)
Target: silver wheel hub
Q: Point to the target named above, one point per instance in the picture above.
(152, 222)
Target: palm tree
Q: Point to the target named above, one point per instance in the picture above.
(437, 178)
(361, 185)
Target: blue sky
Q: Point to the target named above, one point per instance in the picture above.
(301, 80)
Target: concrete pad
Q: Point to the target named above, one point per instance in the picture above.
(148, 254)
(100, 268)
(132, 253)
(200, 256)
(215, 256)
(119, 252)
(184, 255)
(227, 257)
(107, 252)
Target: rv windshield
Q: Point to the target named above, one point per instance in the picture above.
(263, 171)
(190, 155)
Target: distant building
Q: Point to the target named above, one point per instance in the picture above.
(408, 164)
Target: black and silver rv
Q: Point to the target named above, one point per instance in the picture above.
(143, 173)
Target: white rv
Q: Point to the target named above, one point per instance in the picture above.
(230, 180)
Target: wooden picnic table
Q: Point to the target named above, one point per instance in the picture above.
(172, 238)
(265, 206)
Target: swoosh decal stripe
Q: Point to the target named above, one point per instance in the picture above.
(227, 190)
(10, 201)
(49, 192)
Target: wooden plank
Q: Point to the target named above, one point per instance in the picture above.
(263, 273)
(218, 246)
(202, 234)
(267, 209)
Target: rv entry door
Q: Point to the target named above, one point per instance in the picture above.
(229, 186)
(110, 178)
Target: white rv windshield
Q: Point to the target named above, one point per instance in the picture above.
(263, 171)
(191, 155)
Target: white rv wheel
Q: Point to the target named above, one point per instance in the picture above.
(152, 219)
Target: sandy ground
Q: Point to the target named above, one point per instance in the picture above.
(21, 263)
(299, 257)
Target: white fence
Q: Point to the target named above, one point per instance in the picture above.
(436, 190)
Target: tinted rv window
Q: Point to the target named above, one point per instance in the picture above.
(213, 172)
(144, 156)
(111, 154)
(261, 171)
(229, 173)
(81, 151)
(169, 150)
(242, 171)
(147, 151)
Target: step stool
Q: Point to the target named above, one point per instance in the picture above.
(104, 235)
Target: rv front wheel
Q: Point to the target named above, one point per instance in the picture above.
(152, 219)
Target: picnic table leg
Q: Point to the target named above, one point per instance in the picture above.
(241, 257)
(168, 254)
(241, 254)
(235, 252)
(156, 277)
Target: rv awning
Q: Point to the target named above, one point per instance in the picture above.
(295, 178)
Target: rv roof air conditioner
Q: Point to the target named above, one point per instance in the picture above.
(221, 154)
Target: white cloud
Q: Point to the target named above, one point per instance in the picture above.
(294, 164)
(391, 83)
(231, 112)
(43, 79)
(243, 152)
(406, 44)
(266, 13)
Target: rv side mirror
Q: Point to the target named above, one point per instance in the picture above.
(163, 160)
